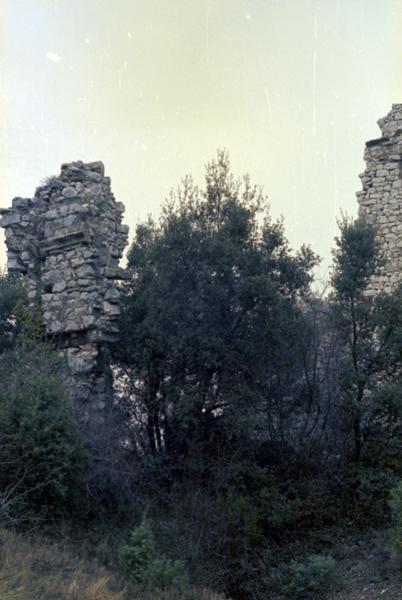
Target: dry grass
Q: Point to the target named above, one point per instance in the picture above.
(35, 570)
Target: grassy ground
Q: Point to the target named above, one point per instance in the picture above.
(32, 569)
(36, 570)
(368, 570)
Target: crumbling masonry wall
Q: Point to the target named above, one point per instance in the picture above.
(380, 201)
(67, 242)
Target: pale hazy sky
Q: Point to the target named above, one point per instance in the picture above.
(291, 88)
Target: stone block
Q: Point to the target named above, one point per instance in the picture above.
(69, 192)
(11, 218)
(59, 286)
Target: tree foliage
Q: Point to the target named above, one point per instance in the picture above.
(369, 334)
(141, 561)
(40, 451)
(212, 312)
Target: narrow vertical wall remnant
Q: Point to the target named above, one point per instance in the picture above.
(380, 202)
(67, 242)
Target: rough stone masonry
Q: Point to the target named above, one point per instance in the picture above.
(380, 201)
(67, 242)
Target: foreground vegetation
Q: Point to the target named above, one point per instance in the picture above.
(256, 434)
(31, 569)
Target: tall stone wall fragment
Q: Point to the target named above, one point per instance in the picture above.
(380, 201)
(67, 242)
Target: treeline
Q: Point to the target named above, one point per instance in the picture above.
(255, 420)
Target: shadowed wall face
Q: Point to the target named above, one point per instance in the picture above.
(380, 201)
(67, 242)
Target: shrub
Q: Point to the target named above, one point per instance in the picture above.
(256, 505)
(307, 580)
(370, 488)
(395, 504)
(243, 523)
(164, 573)
(40, 452)
(137, 555)
(141, 563)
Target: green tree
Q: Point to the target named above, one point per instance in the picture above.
(369, 332)
(40, 451)
(212, 313)
(142, 563)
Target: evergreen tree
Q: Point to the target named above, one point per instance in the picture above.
(369, 331)
(212, 314)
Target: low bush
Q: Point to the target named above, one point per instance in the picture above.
(311, 579)
(41, 454)
(395, 504)
(142, 564)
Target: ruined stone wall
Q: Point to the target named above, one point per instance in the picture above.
(380, 202)
(67, 241)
